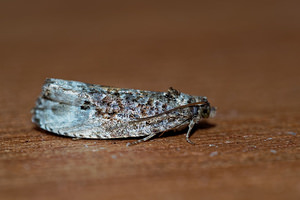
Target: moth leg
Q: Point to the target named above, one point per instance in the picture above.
(161, 134)
(175, 128)
(77, 138)
(141, 140)
(187, 137)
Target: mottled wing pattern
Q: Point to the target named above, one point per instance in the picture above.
(91, 111)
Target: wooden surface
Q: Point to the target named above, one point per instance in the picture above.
(244, 56)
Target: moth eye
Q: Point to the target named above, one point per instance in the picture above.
(205, 111)
(195, 110)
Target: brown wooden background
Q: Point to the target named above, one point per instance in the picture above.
(243, 55)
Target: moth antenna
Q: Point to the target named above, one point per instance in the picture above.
(169, 111)
(141, 140)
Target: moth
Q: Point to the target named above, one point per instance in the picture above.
(83, 110)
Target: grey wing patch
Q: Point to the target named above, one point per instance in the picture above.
(56, 117)
(64, 108)
(69, 120)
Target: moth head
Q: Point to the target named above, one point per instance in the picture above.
(207, 111)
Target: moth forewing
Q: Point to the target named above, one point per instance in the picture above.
(83, 110)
